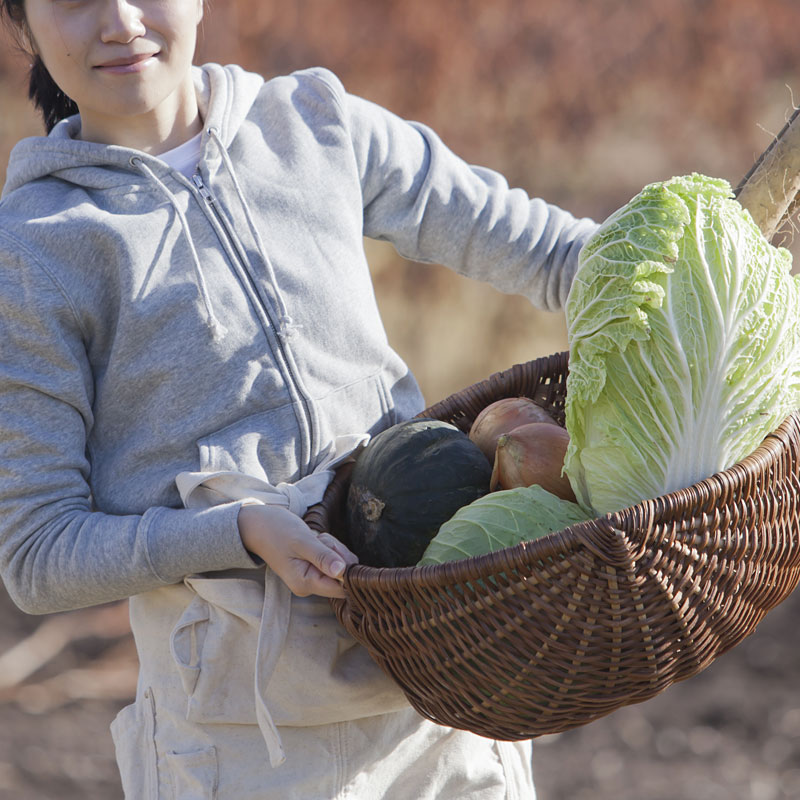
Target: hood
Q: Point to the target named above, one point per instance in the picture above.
(225, 95)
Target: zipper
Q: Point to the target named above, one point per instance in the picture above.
(197, 180)
(213, 206)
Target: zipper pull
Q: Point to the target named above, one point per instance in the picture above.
(205, 193)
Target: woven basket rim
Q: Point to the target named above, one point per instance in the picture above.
(579, 535)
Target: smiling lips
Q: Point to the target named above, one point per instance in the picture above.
(132, 63)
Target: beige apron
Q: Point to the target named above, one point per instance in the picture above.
(246, 691)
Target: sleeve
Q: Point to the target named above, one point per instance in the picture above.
(56, 552)
(434, 207)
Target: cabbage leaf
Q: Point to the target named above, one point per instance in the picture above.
(501, 519)
(684, 344)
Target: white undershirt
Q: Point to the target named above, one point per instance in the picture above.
(184, 157)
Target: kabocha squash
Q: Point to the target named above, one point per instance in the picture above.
(406, 482)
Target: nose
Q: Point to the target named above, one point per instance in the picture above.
(121, 21)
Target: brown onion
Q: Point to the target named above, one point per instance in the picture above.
(503, 416)
(533, 454)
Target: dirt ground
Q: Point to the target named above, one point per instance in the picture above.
(730, 733)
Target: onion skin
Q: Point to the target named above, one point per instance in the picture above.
(533, 454)
(503, 416)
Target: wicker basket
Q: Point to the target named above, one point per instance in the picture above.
(554, 633)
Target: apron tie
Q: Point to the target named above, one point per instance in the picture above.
(205, 489)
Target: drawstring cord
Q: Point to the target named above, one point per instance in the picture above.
(218, 330)
(286, 324)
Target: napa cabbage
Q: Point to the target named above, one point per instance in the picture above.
(684, 344)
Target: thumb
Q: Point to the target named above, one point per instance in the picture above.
(326, 559)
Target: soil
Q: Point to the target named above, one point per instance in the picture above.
(730, 733)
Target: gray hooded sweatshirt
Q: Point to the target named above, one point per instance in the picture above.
(151, 325)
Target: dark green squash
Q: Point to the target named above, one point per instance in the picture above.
(408, 481)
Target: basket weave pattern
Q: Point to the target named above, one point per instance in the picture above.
(554, 633)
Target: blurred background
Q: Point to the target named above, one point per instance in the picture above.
(579, 102)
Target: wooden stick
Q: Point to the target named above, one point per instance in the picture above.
(768, 191)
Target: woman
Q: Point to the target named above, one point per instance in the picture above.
(190, 341)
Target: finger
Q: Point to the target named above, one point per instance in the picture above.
(339, 547)
(329, 587)
(309, 580)
(326, 559)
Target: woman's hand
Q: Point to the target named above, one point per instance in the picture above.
(308, 563)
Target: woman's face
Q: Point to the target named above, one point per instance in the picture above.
(123, 62)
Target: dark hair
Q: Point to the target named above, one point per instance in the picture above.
(42, 89)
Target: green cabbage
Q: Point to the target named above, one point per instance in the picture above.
(684, 343)
(501, 519)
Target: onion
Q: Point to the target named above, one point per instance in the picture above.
(503, 416)
(533, 454)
